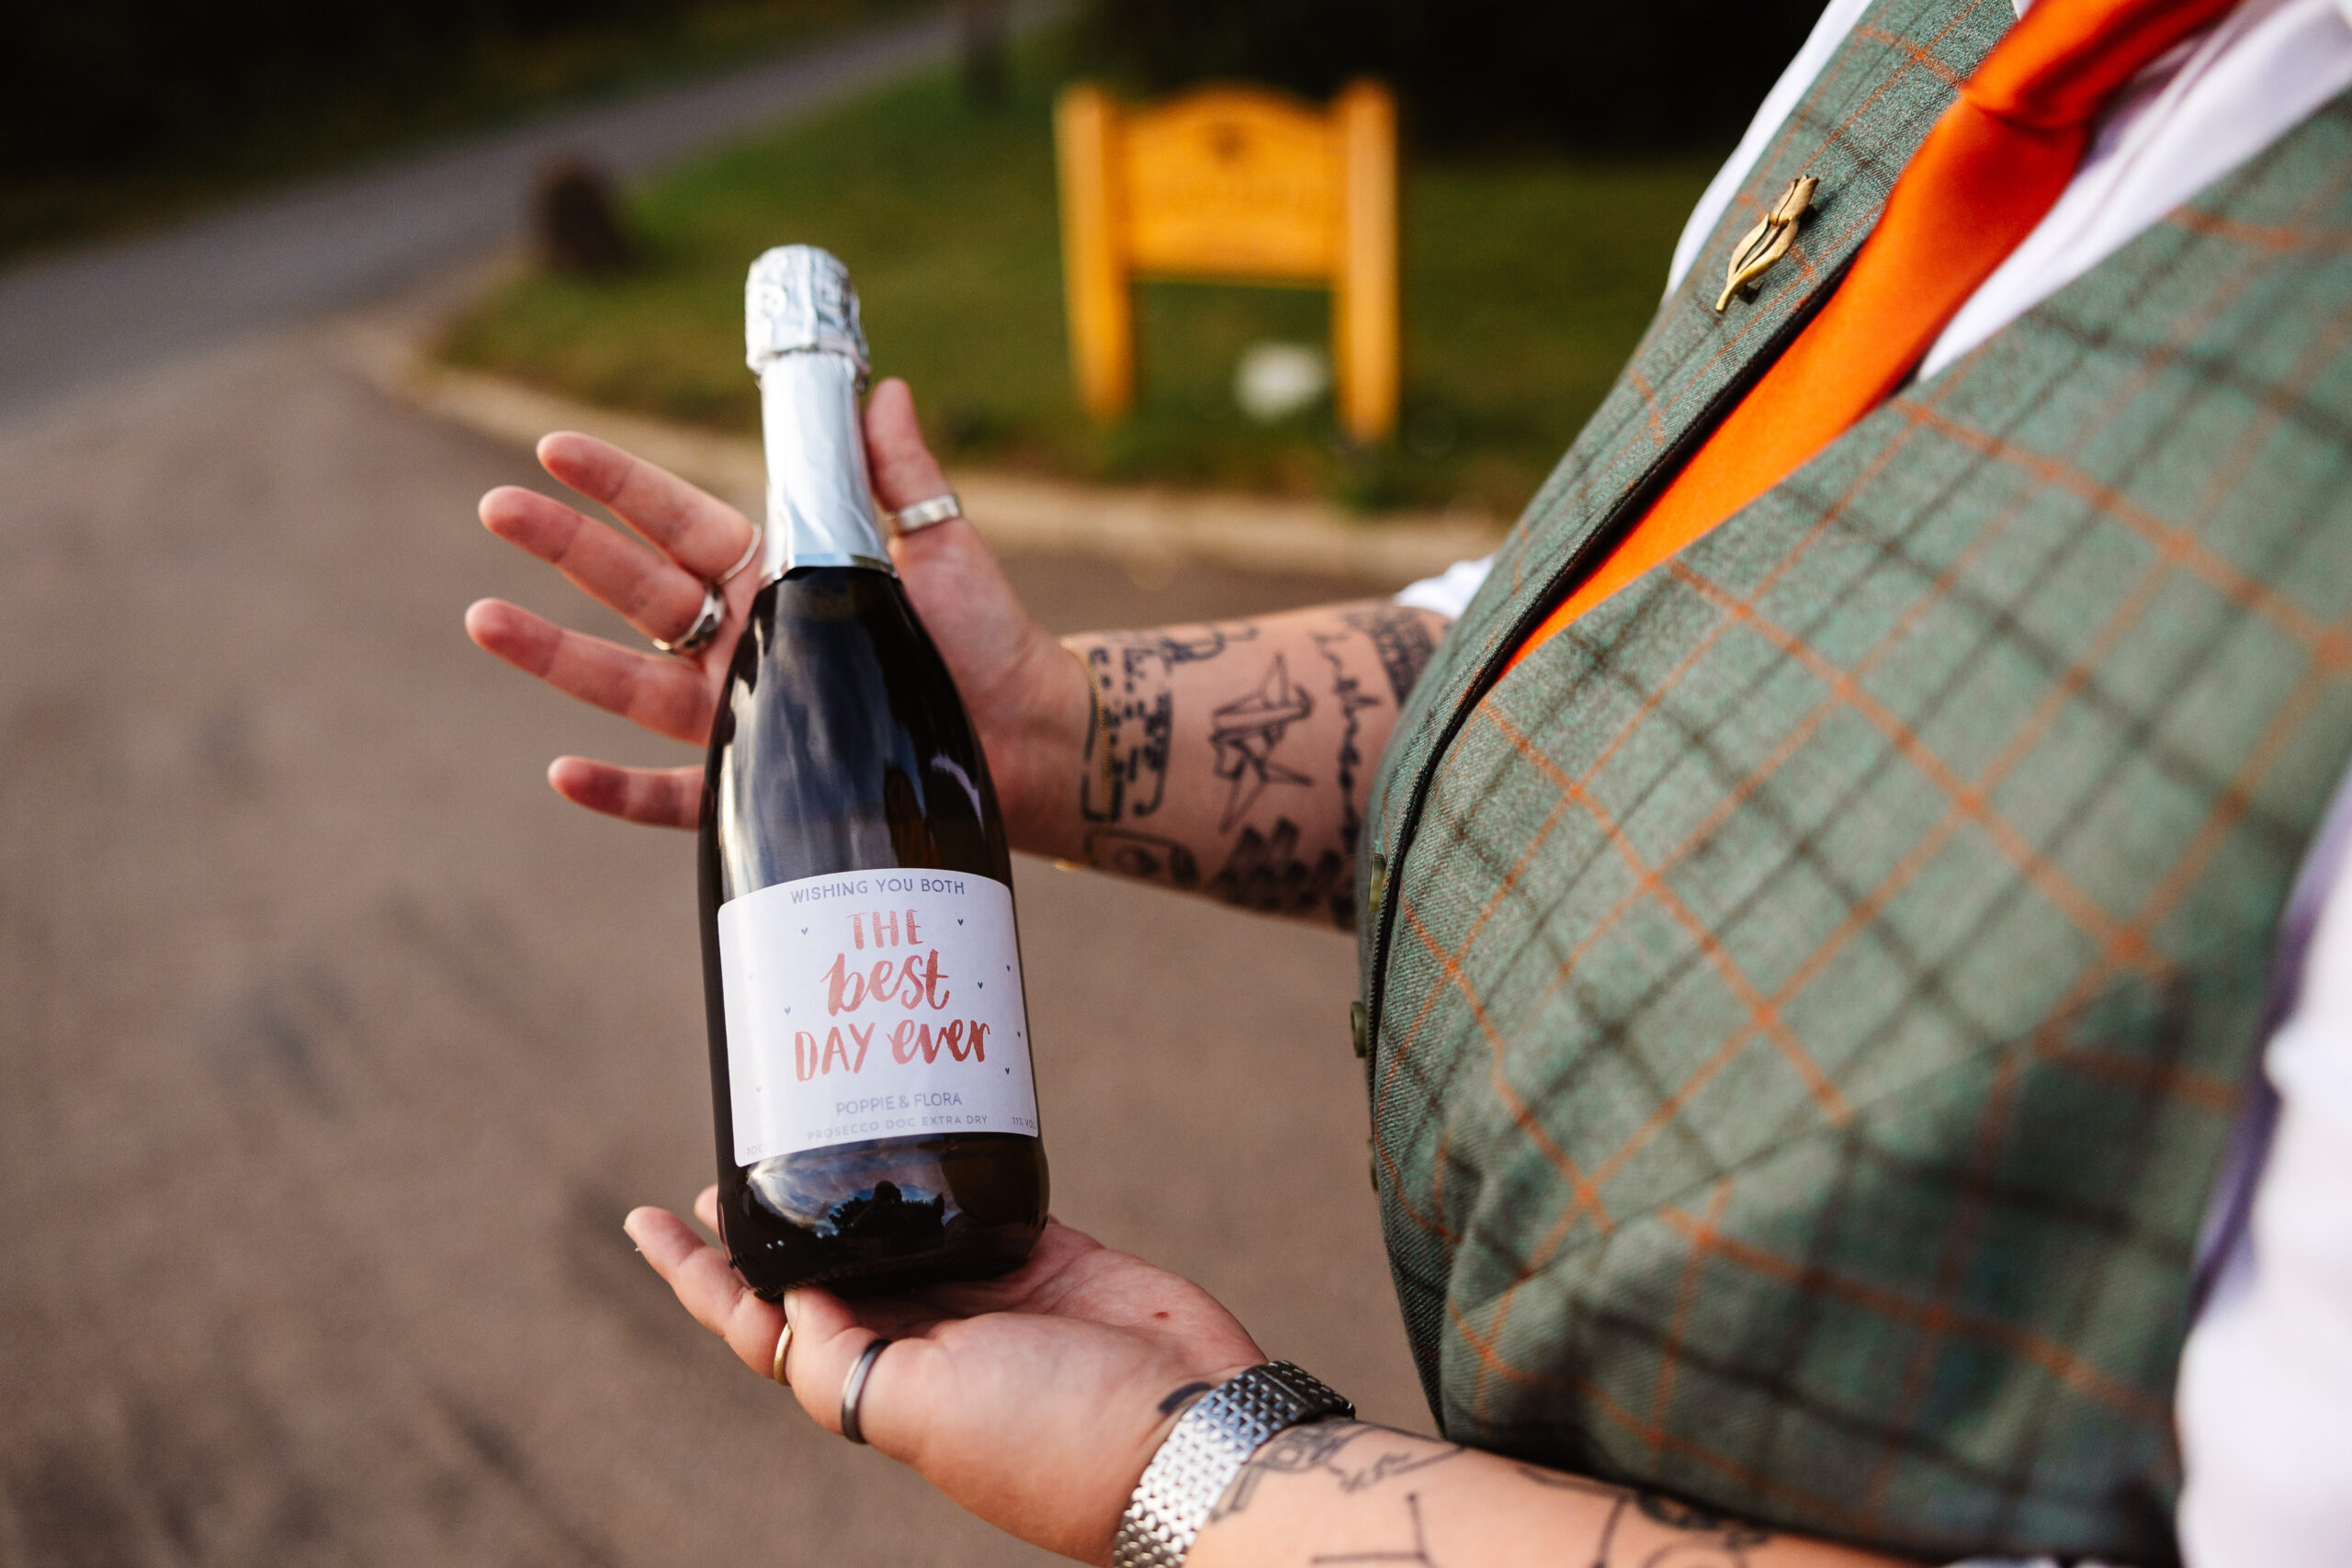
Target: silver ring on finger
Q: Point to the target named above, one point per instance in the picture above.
(854, 1388)
(706, 624)
(927, 514)
(732, 573)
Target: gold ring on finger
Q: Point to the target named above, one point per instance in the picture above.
(783, 1347)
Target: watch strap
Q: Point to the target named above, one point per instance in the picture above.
(1205, 1449)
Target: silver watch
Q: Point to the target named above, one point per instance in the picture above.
(1204, 1451)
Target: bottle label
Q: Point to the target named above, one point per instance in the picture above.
(873, 1004)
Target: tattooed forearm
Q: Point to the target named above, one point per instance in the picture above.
(1128, 734)
(1266, 873)
(1730, 1536)
(1355, 1456)
(1352, 701)
(1342, 1492)
(1704, 1540)
(1145, 856)
(1244, 734)
(1236, 760)
(1418, 1554)
(1401, 636)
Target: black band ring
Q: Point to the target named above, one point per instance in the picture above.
(854, 1388)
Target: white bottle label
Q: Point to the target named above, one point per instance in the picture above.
(873, 1004)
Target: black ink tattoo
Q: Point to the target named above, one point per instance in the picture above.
(1145, 856)
(1728, 1550)
(1126, 741)
(1355, 1455)
(1726, 1544)
(1132, 713)
(1265, 873)
(1353, 699)
(1245, 732)
(1402, 639)
(1561, 1481)
(1418, 1554)
(1675, 1514)
(1617, 1500)
(1185, 1396)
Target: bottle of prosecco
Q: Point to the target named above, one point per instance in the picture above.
(869, 1046)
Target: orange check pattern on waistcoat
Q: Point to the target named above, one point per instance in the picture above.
(1811, 990)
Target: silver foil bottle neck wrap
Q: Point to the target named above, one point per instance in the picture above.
(802, 338)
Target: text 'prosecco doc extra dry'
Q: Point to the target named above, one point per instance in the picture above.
(869, 1045)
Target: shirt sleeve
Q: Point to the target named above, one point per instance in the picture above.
(2265, 1402)
(1449, 592)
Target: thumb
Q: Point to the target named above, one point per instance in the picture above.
(904, 469)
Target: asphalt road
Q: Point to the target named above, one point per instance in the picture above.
(333, 1046)
(78, 319)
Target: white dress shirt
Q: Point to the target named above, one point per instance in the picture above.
(2263, 1407)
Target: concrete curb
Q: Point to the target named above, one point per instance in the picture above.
(1149, 531)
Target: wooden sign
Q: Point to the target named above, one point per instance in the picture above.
(1234, 184)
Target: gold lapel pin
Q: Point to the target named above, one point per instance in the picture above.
(1769, 240)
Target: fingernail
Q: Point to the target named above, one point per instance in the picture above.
(789, 1301)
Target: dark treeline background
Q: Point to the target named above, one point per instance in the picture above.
(88, 85)
(1592, 76)
(115, 114)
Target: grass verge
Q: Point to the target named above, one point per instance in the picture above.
(1528, 281)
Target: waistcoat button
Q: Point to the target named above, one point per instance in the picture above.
(1379, 887)
(1355, 1027)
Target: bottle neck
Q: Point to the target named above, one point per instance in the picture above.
(820, 500)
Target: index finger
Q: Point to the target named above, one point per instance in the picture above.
(693, 527)
(707, 1286)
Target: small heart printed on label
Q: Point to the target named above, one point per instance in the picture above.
(959, 920)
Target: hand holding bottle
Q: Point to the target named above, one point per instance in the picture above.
(1034, 1401)
(1026, 697)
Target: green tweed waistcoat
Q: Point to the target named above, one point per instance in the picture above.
(1808, 998)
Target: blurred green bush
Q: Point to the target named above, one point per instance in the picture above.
(1593, 75)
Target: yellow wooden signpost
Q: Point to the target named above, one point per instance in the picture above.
(1238, 185)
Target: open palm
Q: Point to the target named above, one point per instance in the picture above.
(1033, 1400)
